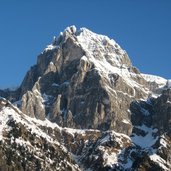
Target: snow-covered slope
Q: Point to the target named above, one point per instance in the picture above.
(156, 84)
(161, 82)
(29, 144)
(38, 144)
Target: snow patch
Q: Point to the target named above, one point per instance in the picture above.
(125, 121)
(51, 47)
(55, 85)
(110, 159)
(163, 142)
(161, 162)
(145, 141)
(145, 112)
(161, 82)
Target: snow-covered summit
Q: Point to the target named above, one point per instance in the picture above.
(86, 36)
(94, 44)
(100, 51)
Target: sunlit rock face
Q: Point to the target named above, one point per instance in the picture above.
(86, 76)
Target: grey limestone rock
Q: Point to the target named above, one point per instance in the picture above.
(92, 75)
(162, 109)
(32, 103)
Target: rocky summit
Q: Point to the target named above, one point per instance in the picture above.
(84, 107)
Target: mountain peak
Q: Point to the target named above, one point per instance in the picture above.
(96, 46)
(79, 62)
(71, 29)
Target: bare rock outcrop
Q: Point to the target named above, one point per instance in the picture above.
(92, 75)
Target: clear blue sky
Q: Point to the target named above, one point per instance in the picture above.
(141, 27)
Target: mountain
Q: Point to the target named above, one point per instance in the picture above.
(84, 106)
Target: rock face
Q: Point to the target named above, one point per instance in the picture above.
(162, 108)
(86, 76)
(84, 106)
(151, 120)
